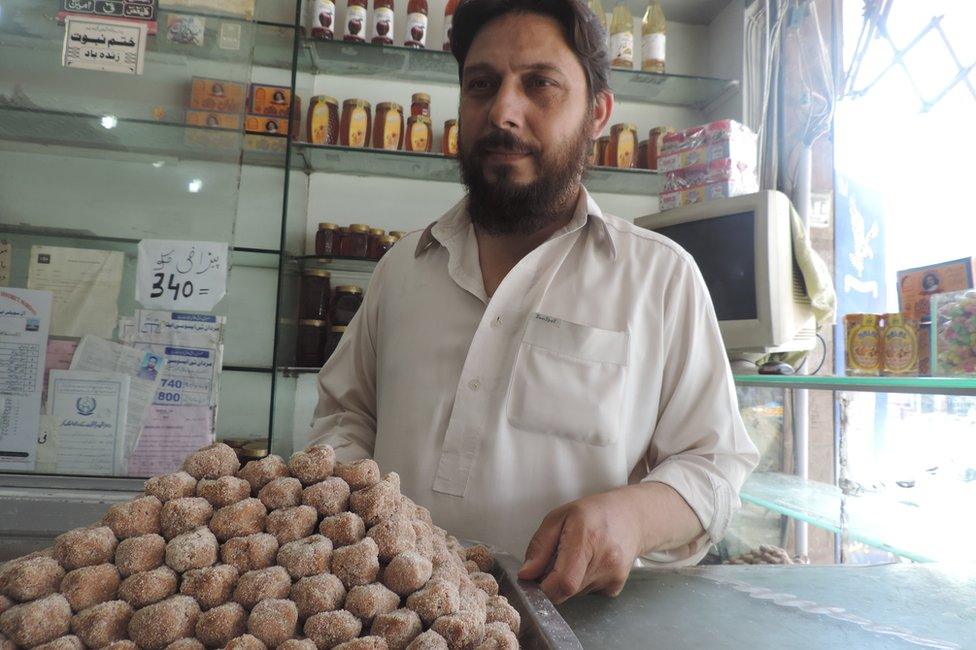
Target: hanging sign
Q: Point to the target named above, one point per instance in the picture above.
(142, 10)
(105, 45)
(181, 275)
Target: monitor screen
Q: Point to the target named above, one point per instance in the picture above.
(724, 249)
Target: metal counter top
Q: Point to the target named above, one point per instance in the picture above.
(796, 607)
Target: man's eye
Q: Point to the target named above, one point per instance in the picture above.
(542, 82)
(479, 84)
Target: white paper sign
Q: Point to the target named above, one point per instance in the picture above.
(90, 408)
(104, 44)
(4, 263)
(181, 275)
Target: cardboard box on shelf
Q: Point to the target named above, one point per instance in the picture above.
(916, 286)
(743, 153)
(724, 169)
(269, 100)
(217, 95)
(266, 125)
(707, 134)
(214, 120)
(719, 190)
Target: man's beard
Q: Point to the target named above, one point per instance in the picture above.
(502, 207)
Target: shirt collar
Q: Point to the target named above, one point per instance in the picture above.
(456, 221)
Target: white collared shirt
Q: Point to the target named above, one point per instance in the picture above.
(596, 363)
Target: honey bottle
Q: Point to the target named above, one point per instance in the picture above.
(653, 33)
(622, 37)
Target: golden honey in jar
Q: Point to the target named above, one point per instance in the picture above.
(316, 294)
(419, 134)
(449, 145)
(323, 120)
(601, 150)
(622, 149)
(345, 303)
(388, 126)
(420, 104)
(354, 242)
(354, 128)
(899, 346)
(863, 344)
(373, 243)
(312, 339)
(326, 240)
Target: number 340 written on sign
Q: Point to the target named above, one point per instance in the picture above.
(163, 283)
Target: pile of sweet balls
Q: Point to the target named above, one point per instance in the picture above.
(305, 555)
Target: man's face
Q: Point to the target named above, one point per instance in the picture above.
(526, 123)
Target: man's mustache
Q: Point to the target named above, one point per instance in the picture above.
(502, 141)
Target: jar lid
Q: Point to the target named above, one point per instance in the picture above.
(389, 239)
(236, 443)
(358, 227)
(399, 234)
(328, 226)
(378, 232)
(338, 328)
(423, 119)
(356, 103)
(420, 97)
(450, 123)
(313, 322)
(349, 288)
(319, 273)
(326, 99)
(623, 126)
(257, 449)
(389, 106)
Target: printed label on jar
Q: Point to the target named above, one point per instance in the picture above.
(391, 131)
(417, 29)
(357, 127)
(622, 46)
(625, 150)
(321, 18)
(320, 123)
(652, 47)
(383, 24)
(419, 137)
(452, 137)
(448, 23)
(356, 22)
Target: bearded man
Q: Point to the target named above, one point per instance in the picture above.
(544, 377)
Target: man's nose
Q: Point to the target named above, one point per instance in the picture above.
(508, 105)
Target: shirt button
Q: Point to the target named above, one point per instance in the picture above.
(497, 322)
(474, 384)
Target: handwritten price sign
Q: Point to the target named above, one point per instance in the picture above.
(181, 275)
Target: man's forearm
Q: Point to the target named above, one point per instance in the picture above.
(664, 518)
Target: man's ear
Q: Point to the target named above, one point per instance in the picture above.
(602, 109)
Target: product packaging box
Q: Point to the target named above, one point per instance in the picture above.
(269, 100)
(724, 169)
(217, 95)
(706, 134)
(917, 286)
(953, 335)
(719, 190)
(266, 125)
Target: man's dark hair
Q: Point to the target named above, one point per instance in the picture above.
(581, 28)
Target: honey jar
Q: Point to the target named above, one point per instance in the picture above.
(373, 243)
(323, 120)
(354, 128)
(419, 134)
(388, 126)
(601, 150)
(449, 145)
(642, 160)
(334, 337)
(316, 294)
(326, 240)
(354, 242)
(397, 234)
(622, 148)
(385, 244)
(420, 104)
(312, 339)
(345, 303)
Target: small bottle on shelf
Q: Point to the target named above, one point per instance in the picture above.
(382, 22)
(416, 24)
(622, 37)
(448, 23)
(654, 32)
(321, 18)
(356, 21)
(420, 104)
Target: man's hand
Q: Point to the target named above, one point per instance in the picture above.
(590, 545)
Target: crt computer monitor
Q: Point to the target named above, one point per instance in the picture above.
(744, 248)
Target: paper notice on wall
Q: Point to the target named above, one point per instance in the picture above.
(4, 263)
(85, 284)
(181, 275)
(90, 408)
(143, 369)
(47, 445)
(104, 44)
(59, 355)
(169, 435)
(25, 318)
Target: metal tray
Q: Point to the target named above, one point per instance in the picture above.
(543, 628)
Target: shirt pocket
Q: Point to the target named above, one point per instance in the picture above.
(568, 381)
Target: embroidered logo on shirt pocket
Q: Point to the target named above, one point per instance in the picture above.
(568, 380)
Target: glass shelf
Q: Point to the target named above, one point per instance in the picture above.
(435, 167)
(913, 385)
(76, 134)
(435, 66)
(923, 523)
(337, 263)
